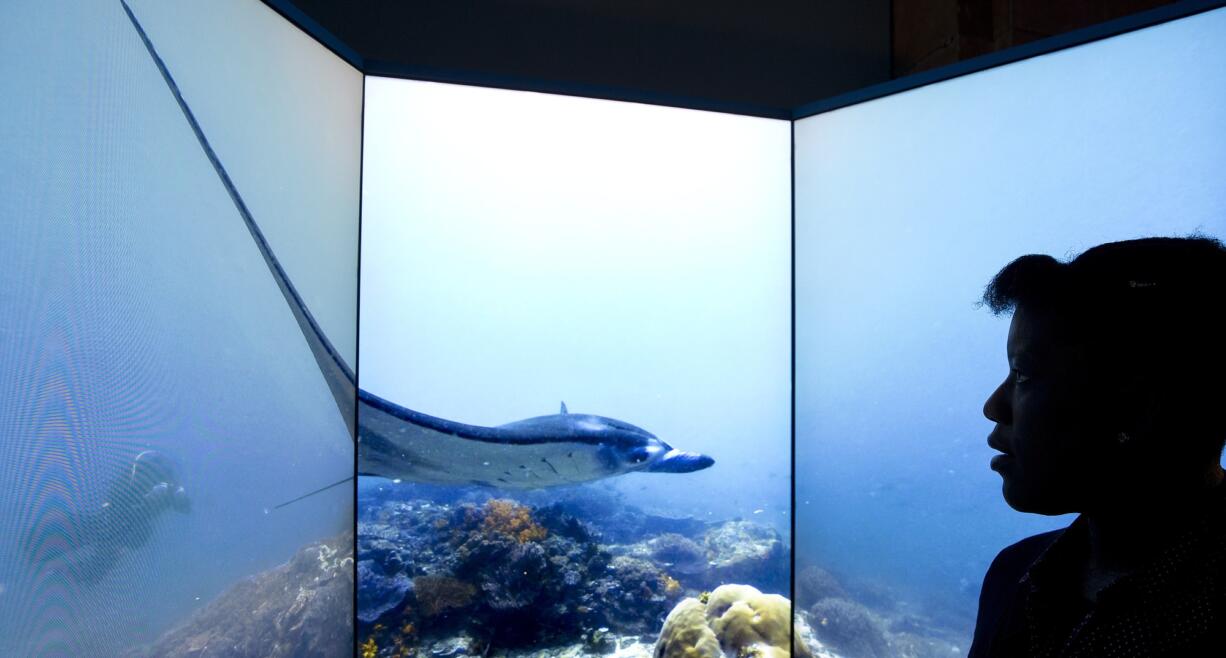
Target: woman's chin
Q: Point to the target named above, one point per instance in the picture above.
(1025, 499)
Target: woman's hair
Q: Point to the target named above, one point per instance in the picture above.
(1150, 310)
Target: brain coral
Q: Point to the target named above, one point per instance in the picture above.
(737, 621)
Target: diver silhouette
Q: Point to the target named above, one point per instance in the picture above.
(1114, 408)
(126, 519)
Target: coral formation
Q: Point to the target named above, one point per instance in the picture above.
(736, 621)
(437, 595)
(509, 518)
(850, 628)
(466, 574)
(686, 633)
(679, 553)
(633, 595)
(289, 610)
(814, 584)
(379, 592)
(672, 587)
(501, 568)
(743, 551)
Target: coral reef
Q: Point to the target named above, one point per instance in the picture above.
(736, 621)
(502, 569)
(686, 633)
(633, 596)
(742, 551)
(580, 574)
(506, 517)
(437, 595)
(850, 628)
(379, 592)
(606, 512)
(814, 584)
(733, 551)
(301, 608)
(678, 553)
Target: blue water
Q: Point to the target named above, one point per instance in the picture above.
(136, 314)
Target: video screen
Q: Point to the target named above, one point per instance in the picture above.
(906, 207)
(161, 397)
(575, 351)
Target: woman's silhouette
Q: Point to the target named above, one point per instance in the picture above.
(1114, 408)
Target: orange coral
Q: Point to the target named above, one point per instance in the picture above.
(403, 644)
(506, 517)
(438, 594)
(671, 586)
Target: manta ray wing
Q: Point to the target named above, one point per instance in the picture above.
(399, 443)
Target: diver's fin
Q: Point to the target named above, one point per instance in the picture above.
(564, 411)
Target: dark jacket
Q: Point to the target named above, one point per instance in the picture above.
(1031, 606)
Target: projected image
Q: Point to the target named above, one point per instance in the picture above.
(906, 208)
(574, 372)
(163, 393)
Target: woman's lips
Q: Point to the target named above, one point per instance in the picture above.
(995, 443)
(1000, 461)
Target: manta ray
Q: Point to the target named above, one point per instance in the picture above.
(396, 442)
(544, 451)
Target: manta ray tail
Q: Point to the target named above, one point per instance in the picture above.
(312, 493)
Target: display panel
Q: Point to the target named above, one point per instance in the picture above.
(159, 397)
(906, 206)
(285, 117)
(602, 267)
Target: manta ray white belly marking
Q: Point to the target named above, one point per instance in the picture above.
(534, 453)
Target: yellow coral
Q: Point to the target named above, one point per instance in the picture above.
(671, 586)
(686, 634)
(369, 648)
(738, 619)
(506, 517)
(403, 643)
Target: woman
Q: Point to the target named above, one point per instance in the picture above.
(1114, 408)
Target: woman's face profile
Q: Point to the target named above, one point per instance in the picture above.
(1047, 423)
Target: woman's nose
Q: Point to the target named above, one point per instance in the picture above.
(996, 408)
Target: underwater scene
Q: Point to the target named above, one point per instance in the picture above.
(574, 382)
(574, 361)
(898, 514)
(159, 400)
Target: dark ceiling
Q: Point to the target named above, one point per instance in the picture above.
(763, 57)
(739, 55)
